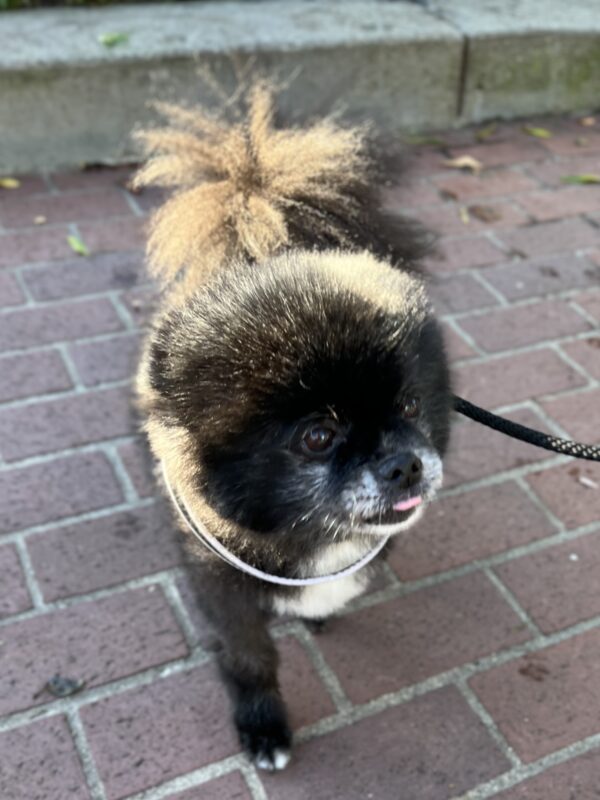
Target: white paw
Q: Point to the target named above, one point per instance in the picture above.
(278, 759)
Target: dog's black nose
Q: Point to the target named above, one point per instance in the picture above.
(402, 470)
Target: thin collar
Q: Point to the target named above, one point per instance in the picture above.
(209, 541)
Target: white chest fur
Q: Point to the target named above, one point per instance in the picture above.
(317, 602)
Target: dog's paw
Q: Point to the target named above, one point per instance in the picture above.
(268, 750)
(274, 760)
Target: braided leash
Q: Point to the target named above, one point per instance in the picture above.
(525, 434)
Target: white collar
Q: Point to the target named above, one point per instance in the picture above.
(200, 532)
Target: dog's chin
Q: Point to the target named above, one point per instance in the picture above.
(390, 522)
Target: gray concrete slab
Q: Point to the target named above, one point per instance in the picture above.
(65, 98)
(527, 56)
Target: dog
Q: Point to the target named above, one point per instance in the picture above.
(294, 383)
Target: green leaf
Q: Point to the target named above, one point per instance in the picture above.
(433, 141)
(78, 246)
(9, 183)
(587, 178)
(539, 133)
(113, 39)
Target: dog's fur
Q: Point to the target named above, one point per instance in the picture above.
(292, 312)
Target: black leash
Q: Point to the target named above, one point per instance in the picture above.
(525, 434)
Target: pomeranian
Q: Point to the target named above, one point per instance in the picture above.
(294, 383)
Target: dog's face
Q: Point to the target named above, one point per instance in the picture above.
(314, 412)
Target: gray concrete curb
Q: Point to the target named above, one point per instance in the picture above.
(66, 99)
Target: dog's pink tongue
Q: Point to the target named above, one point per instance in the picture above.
(404, 505)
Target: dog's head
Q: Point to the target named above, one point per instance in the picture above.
(315, 392)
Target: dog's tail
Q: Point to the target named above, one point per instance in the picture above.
(247, 190)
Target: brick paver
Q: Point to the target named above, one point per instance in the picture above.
(471, 671)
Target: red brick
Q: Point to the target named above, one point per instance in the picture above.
(39, 762)
(477, 451)
(229, 787)
(543, 276)
(577, 413)
(431, 748)
(411, 195)
(574, 143)
(464, 252)
(587, 353)
(545, 700)
(85, 276)
(93, 178)
(590, 301)
(149, 735)
(149, 199)
(512, 378)
(557, 586)
(20, 213)
(32, 373)
(507, 328)
(14, 596)
(10, 291)
(574, 502)
(559, 203)
(66, 422)
(455, 293)
(58, 488)
(552, 172)
(424, 162)
(103, 552)
(504, 153)
(449, 218)
(456, 346)
(140, 465)
(141, 303)
(127, 233)
(576, 779)
(468, 527)
(97, 641)
(111, 359)
(391, 645)
(27, 247)
(487, 184)
(302, 689)
(29, 327)
(28, 184)
(551, 237)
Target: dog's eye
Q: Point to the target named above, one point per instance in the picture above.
(318, 439)
(410, 407)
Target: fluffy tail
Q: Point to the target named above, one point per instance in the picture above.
(246, 190)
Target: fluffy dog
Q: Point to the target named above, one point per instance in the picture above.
(294, 384)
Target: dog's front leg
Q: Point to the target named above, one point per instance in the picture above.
(248, 663)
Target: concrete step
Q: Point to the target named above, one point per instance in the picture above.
(65, 98)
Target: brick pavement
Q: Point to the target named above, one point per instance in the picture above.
(472, 671)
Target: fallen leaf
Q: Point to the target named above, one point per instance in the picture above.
(433, 141)
(588, 482)
(40, 220)
(485, 133)
(447, 194)
(587, 122)
(585, 178)
(581, 141)
(463, 213)
(113, 39)
(539, 133)
(78, 246)
(60, 686)
(464, 162)
(9, 183)
(485, 213)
